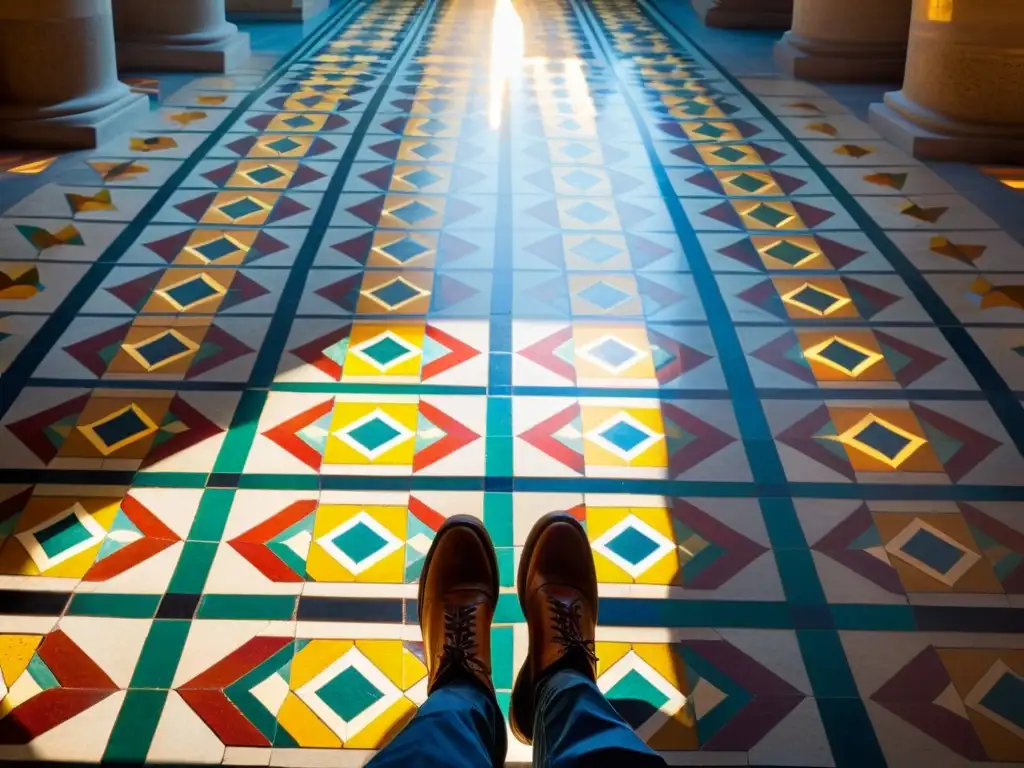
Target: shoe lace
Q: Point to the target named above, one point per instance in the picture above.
(566, 620)
(460, 640)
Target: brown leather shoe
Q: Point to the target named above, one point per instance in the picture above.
(457, 597)
(558, 593)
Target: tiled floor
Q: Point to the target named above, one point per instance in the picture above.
(457, 257)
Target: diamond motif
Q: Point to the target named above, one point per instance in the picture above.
(790, 253)
(359, 543)
(881, 440)
(404, 250)
(266, 174)
(623, 436)
(414, 212)
(216, 249)
(161, 350)
(769, 215)
(611, 353)
(119, 429)
(191, 292)
(374, 434)
(428, 150)
(385, 351)
(581, 179)
(633, 545)
(999, 695)
(852, 359)
(396, 293)
(576, 151)
(421, 178)
(729, 154)
(298, 121)
(603, 295)
(815, 300)
(61, 537)
(283, 146)
(239, 209)
(349, 695)
(748, 182)
(589, 213)
(596, 251)
(933, 552)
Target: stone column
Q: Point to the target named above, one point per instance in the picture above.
(745, 14)
(58, 76)
(846, 40)
(963, 93)
(179, 35)
(276, 10)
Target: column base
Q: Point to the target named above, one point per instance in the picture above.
(275, 10)
(835, 62)
(944, 140)
(85, 130)
(745, 14)
(222, 56)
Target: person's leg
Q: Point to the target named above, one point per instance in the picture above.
(577, 726)
(460, 724)
(556, 704)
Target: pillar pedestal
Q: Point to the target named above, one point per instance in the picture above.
(178, 35)
(59, 86)
(839, 40)
(745, 14)
(276, 10)
(963, 93)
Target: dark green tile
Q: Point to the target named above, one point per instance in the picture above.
(826, 663)
(119, 606)
(850, 734)
(265, 607)
(160, 654)
(501, 656)
(193, 568)
(212, 515)
(498, 518)
(135, 725)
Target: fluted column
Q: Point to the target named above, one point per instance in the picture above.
(840, 40)
(58, 76)
(745, 14)
(963, 93)
(179, 35)
(276, 10)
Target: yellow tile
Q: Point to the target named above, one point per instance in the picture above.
(609, 654)
(665, 662)
(384, 727)
(348, 413)
(386, 655)
(15, 654)
(359, 364)
(315, 658)
(413, 670)
(305, 727)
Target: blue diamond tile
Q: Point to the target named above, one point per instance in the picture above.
(284, 146)
(596, 251)
(422, 178)
(241, 208)
(395, 293)
(373, 434)
(934, 552)
(581, 179)
(613, 352)
(624, 436)
(414, 212)
(589, 213)
(349, 694)
(428, 150)
(217, 249)
(265, 175)
(404, 250)
(632, 545)
(603, 295)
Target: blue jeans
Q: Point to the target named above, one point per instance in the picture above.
(460, 726)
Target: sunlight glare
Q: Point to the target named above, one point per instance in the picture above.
(508, 46)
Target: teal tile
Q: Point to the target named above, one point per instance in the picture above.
(160, 654)
(212, 515)
(193, 568)
(135, 725)
(499, 456)
(506, 566)
(238, 442)
(501, 656)
(265, 607)
(508, 610)
(119, 606)
(826, 663)
(498, 518)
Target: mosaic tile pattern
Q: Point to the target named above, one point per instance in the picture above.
(461, 258)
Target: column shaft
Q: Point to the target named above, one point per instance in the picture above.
(58, 76)
(847, 41)
(183, 35)
(745, 14)
(963, 94)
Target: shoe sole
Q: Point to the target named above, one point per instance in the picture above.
(522, 708)
(478, 528)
